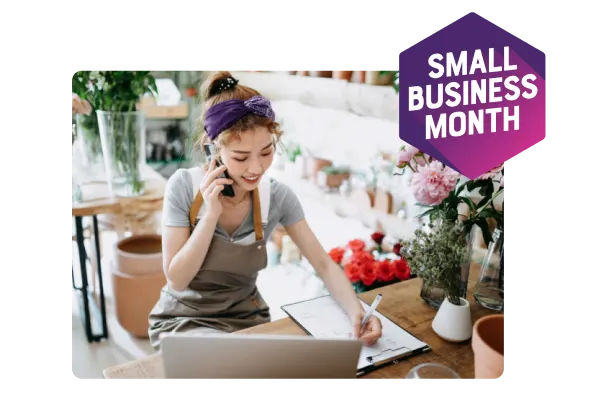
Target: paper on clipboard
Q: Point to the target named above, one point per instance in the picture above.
(323, 318)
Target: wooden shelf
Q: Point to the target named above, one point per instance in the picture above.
(154, 112)
(378, 101)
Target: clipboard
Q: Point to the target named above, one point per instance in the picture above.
(322, 317)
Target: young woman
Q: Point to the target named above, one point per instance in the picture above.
(214, 245)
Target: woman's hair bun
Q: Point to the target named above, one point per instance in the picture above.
(220, 82)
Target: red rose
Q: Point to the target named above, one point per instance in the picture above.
(401, 269)
(352, 271)
(385, 272)
(367, 274)
(362, 258)
(377, 237)
(356, 245)
(397, 247)
(336, 254)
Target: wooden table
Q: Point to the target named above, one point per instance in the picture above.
(401, 304)
(97, 200)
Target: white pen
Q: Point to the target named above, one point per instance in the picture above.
(370, 311)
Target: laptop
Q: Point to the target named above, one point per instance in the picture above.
(245, 356)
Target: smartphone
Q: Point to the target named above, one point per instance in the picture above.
(209, 149)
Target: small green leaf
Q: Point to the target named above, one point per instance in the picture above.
(490, 213)
(485, 230)
(483, 202)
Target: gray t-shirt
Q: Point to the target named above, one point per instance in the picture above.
(284, 209)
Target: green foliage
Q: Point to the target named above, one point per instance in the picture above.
(116, 91)
(396, 77)
(293, 151)
(331, 170)
(436, 256)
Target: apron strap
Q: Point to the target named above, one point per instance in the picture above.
(195, 209)
(258, 228)
(197, 174)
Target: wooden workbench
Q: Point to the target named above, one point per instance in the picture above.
(402, 304)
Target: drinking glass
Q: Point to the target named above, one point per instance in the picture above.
(432, 371)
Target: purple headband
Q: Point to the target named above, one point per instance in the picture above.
(223, 115)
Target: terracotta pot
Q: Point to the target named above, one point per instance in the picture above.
(315, 165)
(360, 76)
(488, 347)
(375, 78)
(331, 180)
(345, 75)
(135, 296)
(321, 74)
(139, 255)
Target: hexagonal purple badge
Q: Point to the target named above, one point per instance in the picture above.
(472, 95)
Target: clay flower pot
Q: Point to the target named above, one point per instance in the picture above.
(453, 322)
(139, 255)
(135, 296)
(345, 75)
(488, 347)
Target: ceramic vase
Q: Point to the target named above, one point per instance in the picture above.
(453, 322)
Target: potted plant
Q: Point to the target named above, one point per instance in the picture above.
(436, 256)
(393, 78)
(114, 96)
(296, 163)
(332, 176)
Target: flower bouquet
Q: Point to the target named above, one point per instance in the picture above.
(369, 266)
(437, 187)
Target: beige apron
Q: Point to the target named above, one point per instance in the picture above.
(223, 294)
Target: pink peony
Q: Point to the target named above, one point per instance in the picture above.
(502, 181)
(407, 153)
(492, 173)
(433, 182)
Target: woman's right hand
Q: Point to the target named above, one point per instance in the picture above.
(212, 186)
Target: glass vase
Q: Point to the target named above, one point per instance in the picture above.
(432, 294)
(89, 145)
(123, 139)
(76, 168)
(489, 291)
(465, 267)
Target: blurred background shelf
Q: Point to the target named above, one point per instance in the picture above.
(178, 112)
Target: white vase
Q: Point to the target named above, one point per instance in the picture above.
(453, 322)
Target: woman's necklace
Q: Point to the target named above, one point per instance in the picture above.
(232, 204)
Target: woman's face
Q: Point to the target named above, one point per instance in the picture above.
(248, 159)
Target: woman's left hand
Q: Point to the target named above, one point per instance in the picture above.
(371, 332)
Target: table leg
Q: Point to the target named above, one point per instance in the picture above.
(100, 284)
(87, 299)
